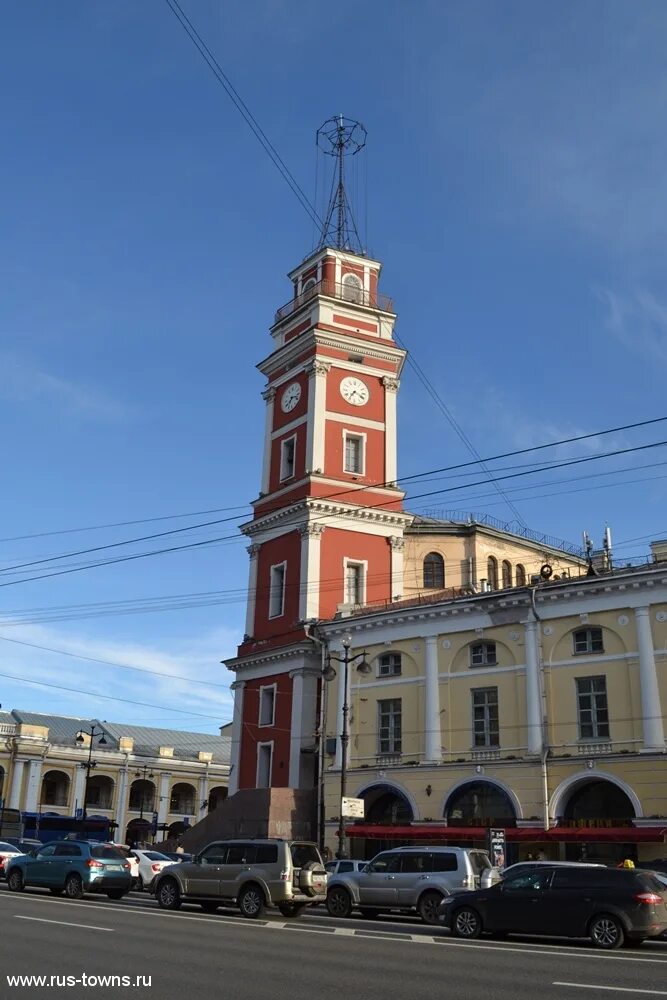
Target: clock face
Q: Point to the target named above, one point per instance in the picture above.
(354, 391)
(291, 397)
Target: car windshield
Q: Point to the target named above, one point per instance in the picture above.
(7, 847)
(155, 856)
(303, 853)
(107, 853)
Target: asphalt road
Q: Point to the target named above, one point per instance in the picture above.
(191, 955)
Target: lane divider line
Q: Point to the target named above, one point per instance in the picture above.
(65, 923)
(613, 989)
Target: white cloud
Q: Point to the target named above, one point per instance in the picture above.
(638, 322)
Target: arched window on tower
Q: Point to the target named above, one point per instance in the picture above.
(352, 288)
(507, 574)
(492, 572)
(434, 571)
(520, 575)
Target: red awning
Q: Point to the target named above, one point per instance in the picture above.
(535, 835)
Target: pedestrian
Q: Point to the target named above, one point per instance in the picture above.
(627, 863)
(541, 856)
(180, 849)
(529, 857)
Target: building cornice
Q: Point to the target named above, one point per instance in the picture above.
(301, 511)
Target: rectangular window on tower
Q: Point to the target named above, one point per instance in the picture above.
(354, 453)
(287, 453)
(277, 590)
(264, 762)
(267, 705)
(355, 590)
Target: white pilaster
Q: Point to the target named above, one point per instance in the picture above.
(79, 787)
(33, 786)
(433, 736)
(237, 728)
(201, 810)
(342, 695)
(121, 804)
(296, 730)
(309, 594)
(317, 405)
(163, 803)
(654, 734)
(17, 783)
(397, 547)
(269, 396)
(253, 552)
(533, 699)
(390, 433)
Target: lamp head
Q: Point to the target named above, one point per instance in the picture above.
(364, 667)
(347, 642)
(102, 742)
(80, 738)
(329, 673)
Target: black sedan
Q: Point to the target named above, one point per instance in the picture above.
(609, 905)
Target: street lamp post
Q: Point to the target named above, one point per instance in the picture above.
(329, 673)
(90, 763)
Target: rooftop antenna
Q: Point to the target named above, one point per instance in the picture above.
(588, 549)
(340, 137)
(606, 545)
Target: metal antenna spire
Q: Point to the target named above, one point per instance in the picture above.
(340, 137)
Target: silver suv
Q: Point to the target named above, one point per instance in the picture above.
(408, 879)
(250, 873)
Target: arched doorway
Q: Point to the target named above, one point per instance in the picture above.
(597, 803)
(55, 789)
(100, 792)
(386, 805)
(137, 832)
(142, 795)
(480, 803)
(216, 797)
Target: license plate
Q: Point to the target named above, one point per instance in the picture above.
(115, 868)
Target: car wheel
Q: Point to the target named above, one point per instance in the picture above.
(339, 903)
(606, 932)
(428, 907)
(168, 894)
(291, 909)
(209, 905)
(251, 902)
(115, 893)
(466, 923)
(74, 887)
(15, 882)
(368, 912)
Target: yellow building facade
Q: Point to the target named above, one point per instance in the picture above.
(538, 709)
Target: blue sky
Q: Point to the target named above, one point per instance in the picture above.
(517, 184)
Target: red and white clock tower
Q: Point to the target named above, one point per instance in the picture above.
(327, 528)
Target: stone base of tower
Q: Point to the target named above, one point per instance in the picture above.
(288, 813)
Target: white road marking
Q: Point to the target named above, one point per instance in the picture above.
(614, 989)
(345, 930)
(65, 923)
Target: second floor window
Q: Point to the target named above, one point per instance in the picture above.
(389, 665)
(592, 708)
(287, 451)
(483, 654)
(588, 640)
(507, 574)
(354, 583)
(267, 705)
(485, 726)
(492, 572)
(277, 591)
(434, 571)
(389, 726)
(520, 575)
(354, 454)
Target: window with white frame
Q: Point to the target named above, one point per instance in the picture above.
(264, 762)
(354, 453)
(389, 726)
(287, 453)
(483, 654)
(588, 640)
(267, 705)
(485, 727)
(592, 709)
(354, 583)
(277, 590)
(389, 665)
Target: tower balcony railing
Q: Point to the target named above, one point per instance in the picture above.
(336, 290)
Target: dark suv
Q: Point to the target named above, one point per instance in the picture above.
(609, 905)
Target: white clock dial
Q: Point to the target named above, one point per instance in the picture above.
(354, 391)
(290, 397)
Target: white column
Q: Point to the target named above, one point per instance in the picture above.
(163, 803)
(201, 810)
(269, 396)
(296, 729)
(17, 782)
(317, 405)
(397, 546)
(121, 804)
(533, 700)
(309, 594)
(390, 436)
(253, 552)
(79, 787)
(654, 734)
(340, 670)
(34, 782)
(237, 728)
(433, 737)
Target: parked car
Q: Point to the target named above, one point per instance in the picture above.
(662, 879)
(656, 865)
(149, 864)
(7, 852)
(525, 866)
(73, 867)
(609, 905)
(408, 879)
(175, 856)
(341, 867)
(130, 857)
(24, 846)
(250, 873)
